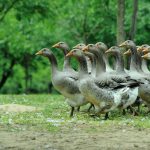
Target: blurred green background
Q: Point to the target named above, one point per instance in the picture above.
(26, 26)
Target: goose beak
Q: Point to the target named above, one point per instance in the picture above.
(39, 52)
(128, 52)
(75, 47)
(84, 49)
(69, 54)
(145, 56)
(145, 50)
(108, 51)
(55, 46)
(139, 49)
(123, 44)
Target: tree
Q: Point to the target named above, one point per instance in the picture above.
(133, 20)
(120, 21)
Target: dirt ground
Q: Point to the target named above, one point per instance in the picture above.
(77, 135)
(77, 138)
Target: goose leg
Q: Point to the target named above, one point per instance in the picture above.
(90, 107)
(72, 110)
(124, 112)
(135, 113)
(130, 108)
(106, 116)
(78, 108)
(138, 107)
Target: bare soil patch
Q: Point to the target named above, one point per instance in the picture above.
(17, 108)
(75, 137)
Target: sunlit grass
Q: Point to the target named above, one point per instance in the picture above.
(53, 114)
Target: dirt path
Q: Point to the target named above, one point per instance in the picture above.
(77, 138)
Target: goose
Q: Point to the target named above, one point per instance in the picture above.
(67, 62)
(89, 58)
(138, 74)
(108, 77)
(135, 71)
(64, 82)
(144, 90)
(103, 47)
(104, 98)
(144, 49)
(115, 50)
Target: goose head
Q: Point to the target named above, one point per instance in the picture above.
(142, 47)
(127, 53)
(113, 50)
(90, 48)
(75, 53)
(128, 44)
(145, 48)
(44, 52)
(79, 46)
(61, 45)
(102, 46)
(146, 56)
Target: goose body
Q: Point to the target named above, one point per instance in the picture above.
(130, 97)
(64, 82)
(143, 90)
(104, 98)
(144, 49)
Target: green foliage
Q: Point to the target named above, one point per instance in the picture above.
(26, 26)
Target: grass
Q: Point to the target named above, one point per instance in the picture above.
(53, 114)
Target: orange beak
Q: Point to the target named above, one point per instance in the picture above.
(84, 49)
(108, 51)
(56, 45)
(145, 56)
(123, 44)
(69, 54)
(39, 52)
(139, 49)
(146, 50)
(128, 52)
(75, 47)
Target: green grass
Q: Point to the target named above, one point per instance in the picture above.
(53, 114)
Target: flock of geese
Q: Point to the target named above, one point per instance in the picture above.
(96, 82)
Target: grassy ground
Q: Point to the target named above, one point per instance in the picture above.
(52, 112)
(52, 116)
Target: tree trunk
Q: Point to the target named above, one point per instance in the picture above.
(120, 21)
(7, 74)
(133, 20)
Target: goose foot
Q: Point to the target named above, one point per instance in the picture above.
(78, 108)
(93, 115)
(123, 112)
(90, 107)
(72, 110)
